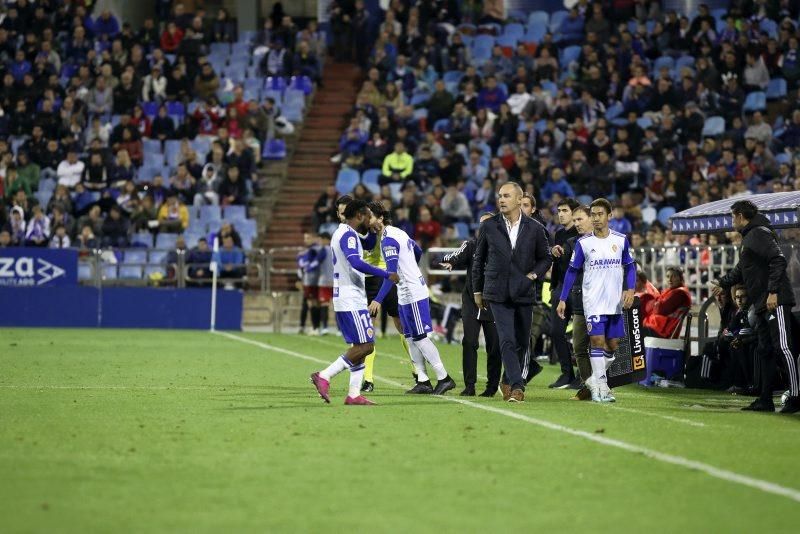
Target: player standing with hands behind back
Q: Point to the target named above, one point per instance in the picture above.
(607, 264)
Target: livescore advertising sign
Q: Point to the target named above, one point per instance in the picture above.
(38, 267)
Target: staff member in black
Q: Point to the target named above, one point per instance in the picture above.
(558, 326)
(762, 270)
(512, 252)
(472, 319)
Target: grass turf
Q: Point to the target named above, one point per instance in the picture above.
(106, 430)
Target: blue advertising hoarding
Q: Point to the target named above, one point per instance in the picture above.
(38, 267)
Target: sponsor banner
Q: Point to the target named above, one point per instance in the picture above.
(38, 267)
(630, 365)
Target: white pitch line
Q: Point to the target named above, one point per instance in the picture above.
(79, 387)
(667, 417)
(715, 472)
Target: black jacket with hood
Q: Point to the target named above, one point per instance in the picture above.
(761, 267)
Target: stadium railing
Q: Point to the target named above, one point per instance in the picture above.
(98, 269)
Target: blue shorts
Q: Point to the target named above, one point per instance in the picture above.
(356, 326)
(608, 326)
(416, 318)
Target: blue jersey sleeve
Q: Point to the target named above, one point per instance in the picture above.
(349, 245)
(417, 251)
(369, 241)
(630, 266)
(575, 265)
(391, 252)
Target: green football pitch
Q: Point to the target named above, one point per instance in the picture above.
(176, 431)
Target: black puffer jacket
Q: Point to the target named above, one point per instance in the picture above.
(761, 267)
(576, 293)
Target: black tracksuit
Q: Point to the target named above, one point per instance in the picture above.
(558, 326)
(472, 320)
(762, 270)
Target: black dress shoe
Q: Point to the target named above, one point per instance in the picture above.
(575, 384)
(759, 406)
(562, 382)
(792, 405)
(488, 392)
(422, 388)
(367, 386)
(444, 385)
(535, 370)
(469, 391)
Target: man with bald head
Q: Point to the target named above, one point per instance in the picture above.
(512, 252)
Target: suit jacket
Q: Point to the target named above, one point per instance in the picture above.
(499, 272)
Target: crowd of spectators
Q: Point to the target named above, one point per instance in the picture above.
(107, 130)
(656, 110)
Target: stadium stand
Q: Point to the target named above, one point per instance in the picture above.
(169, 125)
(647, 106)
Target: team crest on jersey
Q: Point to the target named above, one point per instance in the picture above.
(370, 332)
(588, 326)
(614, 248)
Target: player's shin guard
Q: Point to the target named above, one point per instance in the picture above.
(598, 361)
(419, 363)
(340, 364)
(369, 364)
(431, 355)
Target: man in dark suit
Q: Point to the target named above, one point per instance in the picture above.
(472, 319)
(512, 252)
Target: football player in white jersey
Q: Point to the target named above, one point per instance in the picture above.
(402, 255)
(350, 303)
(604, 257)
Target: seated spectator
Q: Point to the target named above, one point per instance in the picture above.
(171, 38)
(197, 261)
(277, 61)
(154, 86)
(231, 261)
(173, 216)
(144, 215)
(87, 239)
(455, 206)
(759, 130)
(171, 259)
(37, 231)
(115, 229)
(742, 338)
(162, 127)
(70, 170)
(618, 222)
(27, 170)
(100, 100)
(670, 307)
(206, 187)
(125, 94)
(60, 238)
(305, 62)
(427, 231)
(397, 166)
(5, 238)
(14, 183)
(491, 96)
(206, 82)
(646, 292)
(232, 189)
(556, 185)
(95, 174)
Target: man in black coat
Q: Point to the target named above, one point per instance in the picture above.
(762, 270)
(512, 252)
(472, 319)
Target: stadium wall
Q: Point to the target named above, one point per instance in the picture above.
(117, 307)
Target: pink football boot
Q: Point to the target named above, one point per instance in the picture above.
(322, 386)
(359, 401)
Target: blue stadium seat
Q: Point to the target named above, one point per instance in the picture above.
(255, 85)
(302, 83)
(85, 271)
(550, 87)
(482, 49)
(684, 61)
(556, 19)
(201, 144)
(275, 83)
(240, 49)
(47, 185)
(236, 72)
(713, 127)
(663, 61)
(274, 149)
(197, 225)
(176, 109)
(538, 18)
(370, 180)
(517, 15)
(462, 230)
(649, 215)
(419, 99)
(442, 125)
(150, 109)
(508, 41)
(783, 157)
(43, 197)
(420, 114)
(277, 96)
(755, 101)
(166, 241)
(133, 256)
(209, 214)
(157, 256)
(346, 180)
(614, 111)
(152, 146)
(191, 238)
(235, 213)
(568, 55)
(514, 30)
(644, 122)
(453, 76)
(130, 272)
(247, 36)
(109, 271)
(776, 89)
(294, 97)
(664, 214)
(293, 111)
(220, 49)
(142, 239)
(247, 226)
(153, 159)
(535, 34)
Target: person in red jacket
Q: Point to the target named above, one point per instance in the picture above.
(670, 307)
(171, 38)
(647, 293)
